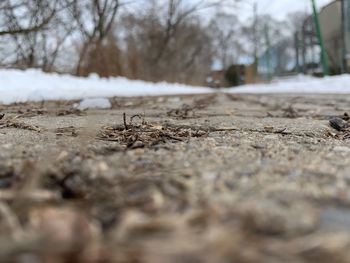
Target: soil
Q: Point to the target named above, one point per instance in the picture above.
(204, 178)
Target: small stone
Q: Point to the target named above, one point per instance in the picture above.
(103, 167)
(63, 155)
(338, 123)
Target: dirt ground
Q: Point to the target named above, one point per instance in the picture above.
(205, 178)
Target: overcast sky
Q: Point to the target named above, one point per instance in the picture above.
(280, 8)
(244, 9)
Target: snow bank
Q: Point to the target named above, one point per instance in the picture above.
(300, 84)
(34, 85)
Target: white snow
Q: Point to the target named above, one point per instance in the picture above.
(98, 103)
(34, 85)
(300, 84)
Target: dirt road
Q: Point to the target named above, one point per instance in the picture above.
(205, 178)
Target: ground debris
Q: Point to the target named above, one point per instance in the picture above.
(185, 111)
(11, 122)
(189, 111)
(145, 135)
(342, 125)
(31, 112)
(71, 111)
(70, 130)
(271, 129)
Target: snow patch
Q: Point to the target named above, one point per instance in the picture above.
(98, 103)
(300, 84)
(34, 85)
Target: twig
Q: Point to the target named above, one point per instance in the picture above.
(19, 125)
(202, 128)
(135, 116)
(172, 137)
(124, 120)
(132, 141)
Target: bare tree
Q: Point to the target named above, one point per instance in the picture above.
(176, 12)
(94, 19)
(21, 17)
(168, 42)
(225, 30)
(40, 46)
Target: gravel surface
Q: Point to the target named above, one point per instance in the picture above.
(204, 178)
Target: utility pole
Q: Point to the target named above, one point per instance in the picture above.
(303, 51)
(324, 57)
(268, 50)
(297, 52)
(343, 37)
(255, 32)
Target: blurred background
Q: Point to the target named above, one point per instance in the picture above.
(197, 42)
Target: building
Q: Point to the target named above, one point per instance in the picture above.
(335, 27)
(331, 27)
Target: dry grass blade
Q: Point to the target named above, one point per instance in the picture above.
(12, 123)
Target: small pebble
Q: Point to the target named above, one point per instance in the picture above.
(338, 123)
